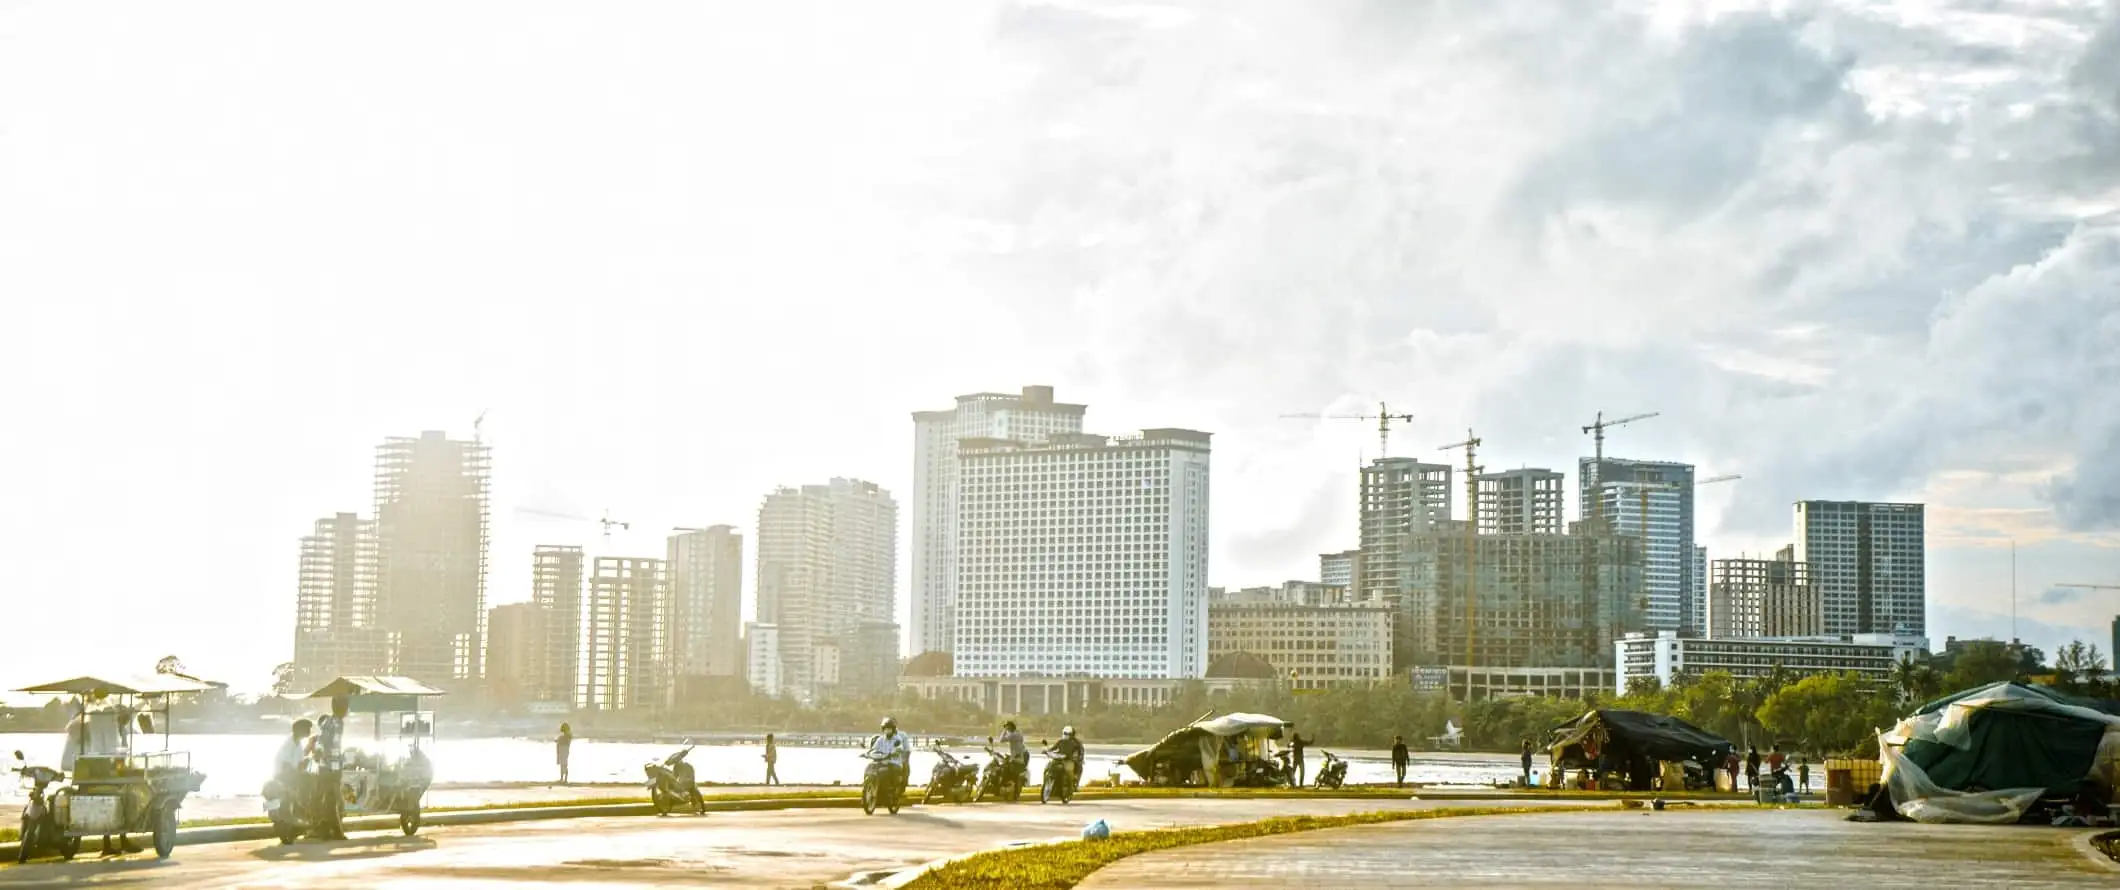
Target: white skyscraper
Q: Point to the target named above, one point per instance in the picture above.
(1868, 563)
(1083, 555)
(1031, 416)
(706, 603)
(1652, 500)
(827, 564)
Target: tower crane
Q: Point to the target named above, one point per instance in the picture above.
(1383, 417)
(1472, 542)
(1596, 429)
(605, 521)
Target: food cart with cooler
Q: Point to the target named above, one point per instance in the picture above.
(389, 774)
(124, 781)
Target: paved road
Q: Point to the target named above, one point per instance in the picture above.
(1722, 848)
(780, 848)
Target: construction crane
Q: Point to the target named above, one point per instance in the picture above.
(1596, 429)
(477, 424)
(1383, 417)
(1472, 542)
(606, 521)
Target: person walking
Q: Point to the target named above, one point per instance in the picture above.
(562, 748)
(1730, 766)
(1752, 769)
(1527, 763)
(1399, 758)
(772, 758)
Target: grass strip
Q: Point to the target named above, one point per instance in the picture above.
(1063, 865)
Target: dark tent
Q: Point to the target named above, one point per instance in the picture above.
(2007, 736)
(1633, 742)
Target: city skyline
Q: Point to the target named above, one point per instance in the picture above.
(1849, 254)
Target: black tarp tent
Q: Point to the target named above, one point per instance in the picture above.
(1632, 742)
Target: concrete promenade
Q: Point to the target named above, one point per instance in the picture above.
(1707, 847)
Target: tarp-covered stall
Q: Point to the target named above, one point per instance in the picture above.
(1989, 754)
(1209, 752)
(1632, 742)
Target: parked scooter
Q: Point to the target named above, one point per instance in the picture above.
(1001, 778)
(291, 803)
(671, 783)
(953, 780)
(1333, 774)
(40, 821)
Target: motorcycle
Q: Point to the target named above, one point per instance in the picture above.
(954, 780)
(671, 784)
(290, 806)
(1001, 778)
(1333, 773)
(40, 821)
(880, 784)
(1060, 780)
(1695, 776)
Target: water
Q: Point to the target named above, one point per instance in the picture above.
(238, 765)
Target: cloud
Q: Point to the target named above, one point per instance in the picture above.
(2060, 596)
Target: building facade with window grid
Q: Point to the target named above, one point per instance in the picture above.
(1315, 646)
(1083, 555)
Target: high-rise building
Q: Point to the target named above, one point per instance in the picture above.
(430, 519)
(335, 629)
(706, 603)
(556, 587)
(1399, 496)
(1652, 500)
(1749, 598)
(1028, 416)
(762, 649)
(1083, 554)
(1496, 601)
(827, 562)
(1340, 570)
(1697, 619)
(623, 634)
(2112, 655)
(1522, 502)
(1869, 563)
(515, 651)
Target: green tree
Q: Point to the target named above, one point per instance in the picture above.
(2077, 665)
(1980, 662)
(1829, 714)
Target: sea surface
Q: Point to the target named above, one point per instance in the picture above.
(237, 765)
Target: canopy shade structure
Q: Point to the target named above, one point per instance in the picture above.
(1195, 746)
(123, 684)
(1630, 741)
(371, 685)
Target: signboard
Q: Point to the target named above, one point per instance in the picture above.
(94, 813)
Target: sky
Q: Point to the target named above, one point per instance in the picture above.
(678, 254)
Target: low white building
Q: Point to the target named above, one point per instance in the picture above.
(762, 657)
(1667, 655)
(1031, 696)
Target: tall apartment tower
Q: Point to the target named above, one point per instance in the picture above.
(1083, 555)
(335, 630)
(1341, 570)
(1763, 598)
(623, 634)
(556, 588)
(515, 651)
(1652, 500)
(430, 519)
(1522, 502)
(1697, 616)
(1869, 563)
(706, 602)
(761, 643)
(827, 563)
(1399, 496)
(1028, 416)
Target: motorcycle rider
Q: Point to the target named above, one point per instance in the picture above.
(896, 749)
(1019, 752)
(1068, 750)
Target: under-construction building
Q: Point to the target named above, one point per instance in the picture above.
(1515, 600)
(335, 631)
(1750, 598)
(623, 634)
(556, 588)
(430, 519)
(1652, 500)
(1522, 502)
(1399, 497)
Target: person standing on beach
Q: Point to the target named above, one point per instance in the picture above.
(1803, 775)
(772, 758)
(562, 747)
(1399, 758)
(1527, 763)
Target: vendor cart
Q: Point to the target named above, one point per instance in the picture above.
(390, 774)
(124, 780)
